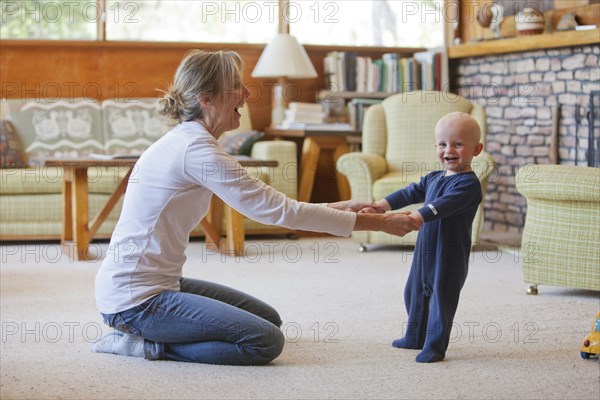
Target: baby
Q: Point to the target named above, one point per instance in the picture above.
(440, 264)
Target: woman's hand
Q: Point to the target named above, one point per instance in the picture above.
(356, 206)
(398, 224)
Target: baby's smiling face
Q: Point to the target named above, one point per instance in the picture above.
(457, 142)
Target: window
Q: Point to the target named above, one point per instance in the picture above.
(388, 23)
(222, 21)
(395, 23)
(58, 19)
(192, 21)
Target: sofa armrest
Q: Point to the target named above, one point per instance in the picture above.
(559, 182)
(362, 171)
(284, 177)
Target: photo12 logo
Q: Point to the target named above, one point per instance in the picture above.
(50, 331)
(52, 92)
(270, 11)
(54, 12)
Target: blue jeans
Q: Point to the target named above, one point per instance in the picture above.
(205, 323)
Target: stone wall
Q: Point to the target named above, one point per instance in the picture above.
(520, 93)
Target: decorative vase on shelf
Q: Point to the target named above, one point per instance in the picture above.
(529, 21)
(491, 15)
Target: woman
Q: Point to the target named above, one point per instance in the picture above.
(140, 292)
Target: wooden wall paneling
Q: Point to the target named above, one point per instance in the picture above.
(120, 70)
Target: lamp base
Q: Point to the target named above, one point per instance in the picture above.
(277, 115)
(278, 111)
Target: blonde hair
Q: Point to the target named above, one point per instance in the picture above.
(200, 74)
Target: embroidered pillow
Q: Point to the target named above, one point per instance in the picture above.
(11, 152)
(240, 143)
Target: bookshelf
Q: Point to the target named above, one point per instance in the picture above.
(526, 43)
(479, 41)
(354, 82)
(346, 95)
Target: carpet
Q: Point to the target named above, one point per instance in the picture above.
(341, 310)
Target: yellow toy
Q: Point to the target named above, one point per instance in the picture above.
(591, 343)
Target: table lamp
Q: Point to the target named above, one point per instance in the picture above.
(283, 58)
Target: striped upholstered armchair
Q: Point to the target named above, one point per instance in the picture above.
(561, 237)
(398, 148)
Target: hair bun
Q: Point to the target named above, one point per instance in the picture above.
(169, 105)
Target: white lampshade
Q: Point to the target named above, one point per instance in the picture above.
(284, 57)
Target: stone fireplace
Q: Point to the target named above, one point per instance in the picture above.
(537, 104)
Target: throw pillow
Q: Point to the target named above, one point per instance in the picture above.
(11, 152)
(240, 143)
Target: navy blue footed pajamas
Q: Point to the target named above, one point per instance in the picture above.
(441, 257)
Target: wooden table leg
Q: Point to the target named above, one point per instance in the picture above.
(342, 181)
(81, 214)
(234, 228)
(308, 168)
(67, 209)
(212, 224)
(311, 151)
(77, 231)
(110, 204)
(234, 225)
(75, 237)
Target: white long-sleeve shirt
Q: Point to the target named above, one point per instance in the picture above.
(169, 192)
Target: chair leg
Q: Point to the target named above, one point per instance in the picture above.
(532, 290)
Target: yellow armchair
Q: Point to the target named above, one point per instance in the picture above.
(398, 148)
(561, 237)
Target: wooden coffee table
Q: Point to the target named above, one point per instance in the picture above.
(78, 231)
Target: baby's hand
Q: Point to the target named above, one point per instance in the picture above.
(372, 210)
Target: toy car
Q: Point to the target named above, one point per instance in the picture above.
(591, 343)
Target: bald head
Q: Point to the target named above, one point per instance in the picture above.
(461, 122)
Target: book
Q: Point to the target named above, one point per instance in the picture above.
(434, 69)
(305, 107)
(350, 70)
(340, 70)
(330, 70)
(361, 74)
(357, 109)
(305, 117)
(335, 127)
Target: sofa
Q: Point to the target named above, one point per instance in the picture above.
(34, 130)
(561, 236)
(398, 149)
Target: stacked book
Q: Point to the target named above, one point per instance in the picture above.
(357, 109)
(347, 72)
(304, 113)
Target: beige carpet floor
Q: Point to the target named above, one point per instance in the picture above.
(341, 311)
